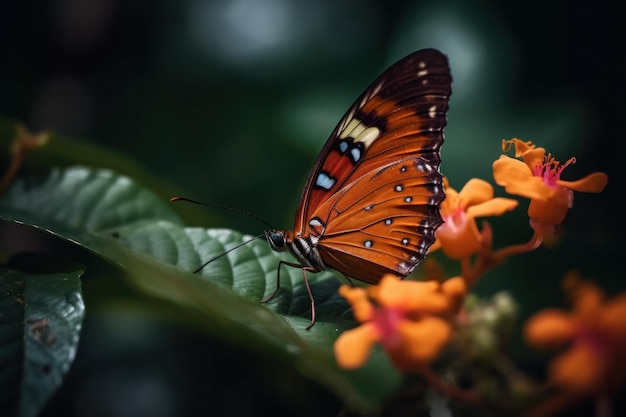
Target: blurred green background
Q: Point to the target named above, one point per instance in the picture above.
(230, 101)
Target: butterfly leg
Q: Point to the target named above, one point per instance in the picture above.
(306, 284)
(273, 294)
(308, 289)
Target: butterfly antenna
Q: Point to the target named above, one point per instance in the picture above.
(246, 213)
(226, 252)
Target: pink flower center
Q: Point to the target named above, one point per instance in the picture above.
(454, 220)
(550, 170)
(592, 338)
(386, 321)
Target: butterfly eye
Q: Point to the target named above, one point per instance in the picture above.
(276, 240)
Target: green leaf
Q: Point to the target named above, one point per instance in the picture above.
(105, 212)
(115, 218)
(40, 322)
(61, 151)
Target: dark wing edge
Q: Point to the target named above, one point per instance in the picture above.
(400, 85)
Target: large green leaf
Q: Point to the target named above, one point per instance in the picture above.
(115, 218)
(40, 322)
(62, 151)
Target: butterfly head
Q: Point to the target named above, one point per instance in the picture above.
(277, 240)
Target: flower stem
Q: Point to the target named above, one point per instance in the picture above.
(487, 259)
(448, 390)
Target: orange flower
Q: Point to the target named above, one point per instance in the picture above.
(458, 236)
(538, 177)
(594, 335)
(410, 319)
(24, 143)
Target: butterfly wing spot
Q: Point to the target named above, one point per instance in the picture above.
(426, 226)
(355, 153)
(408, 199)
(388, 222)
(316, 222)
(368, 243)
(432, 112)
(405, 241)
(398, 188)
(437, 195)
(369, 207)
(422, 73)
(325, 181)
(421, 64)
(317, 226)
(423, 166)
(360, 132)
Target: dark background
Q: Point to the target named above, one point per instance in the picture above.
(232, 100)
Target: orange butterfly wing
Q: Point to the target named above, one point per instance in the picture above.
(372, 200)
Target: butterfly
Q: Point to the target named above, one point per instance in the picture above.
(370, 206)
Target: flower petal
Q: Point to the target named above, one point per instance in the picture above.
(353, 347)
(455, 289)
(461, 239)
(550, 328)
(494, 207)
(521, 147)
(357, 297)
(517, 179)
(551, 211)
(534, 157)
(416, 297)
(579, 369)
(475, 191)
(421, 342)
(592, 183)
(612, 319)
(588, 299)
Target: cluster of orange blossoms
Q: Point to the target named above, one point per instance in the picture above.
(593, 335)
(400, 315)
(413, 321)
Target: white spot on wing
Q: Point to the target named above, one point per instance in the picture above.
(324, 181)
(315, 223)
(349, 128)
(422, 73)
(432, 112)
(368, 136)
(356, 154)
